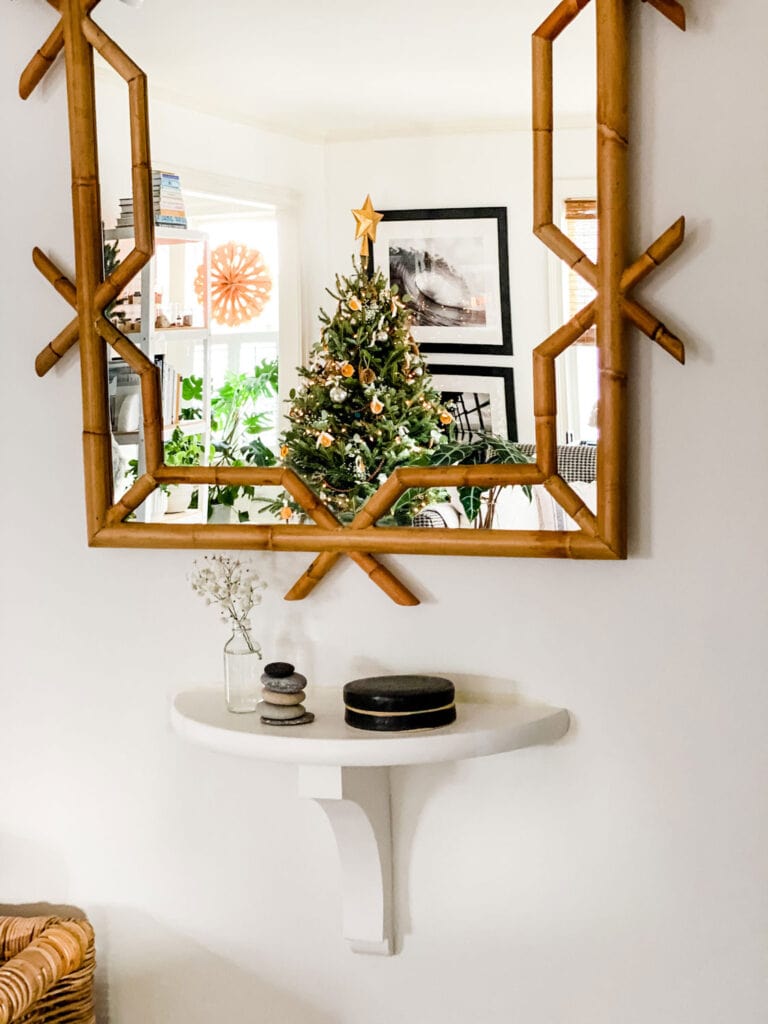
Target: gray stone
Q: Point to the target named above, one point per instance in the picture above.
(287, 684)
(275, 697)
(280, 711)
(305, 719)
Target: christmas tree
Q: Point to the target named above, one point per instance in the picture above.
(367, 404)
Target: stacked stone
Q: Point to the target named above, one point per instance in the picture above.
(283, 696)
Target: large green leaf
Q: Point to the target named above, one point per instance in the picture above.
(471, 499)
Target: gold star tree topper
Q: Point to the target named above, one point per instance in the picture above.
(366, 222)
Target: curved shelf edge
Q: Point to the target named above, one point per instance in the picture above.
(201, 717)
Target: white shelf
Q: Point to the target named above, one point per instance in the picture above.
(185, 426)
(166, 334)
(346, 772)
(189, 515)
(163, 233)
(201, 716)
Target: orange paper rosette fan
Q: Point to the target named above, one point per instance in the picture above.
(241, 284)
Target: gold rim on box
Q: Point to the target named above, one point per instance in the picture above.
(395, 714)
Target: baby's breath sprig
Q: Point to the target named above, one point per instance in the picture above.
(234, 585)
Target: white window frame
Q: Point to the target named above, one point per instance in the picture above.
(566, 375)
(286, 202)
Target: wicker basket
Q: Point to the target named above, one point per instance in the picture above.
(46, 971)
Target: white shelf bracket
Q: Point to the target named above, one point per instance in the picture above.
(357, 804)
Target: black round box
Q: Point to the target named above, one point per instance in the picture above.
(396, 703)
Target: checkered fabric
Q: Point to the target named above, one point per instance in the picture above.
(574, 461)
(428, 518)
(442, 515)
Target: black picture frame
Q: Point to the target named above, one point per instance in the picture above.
(492, 233)
(504, 401)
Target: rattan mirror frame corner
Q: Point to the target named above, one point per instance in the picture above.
(601, 535)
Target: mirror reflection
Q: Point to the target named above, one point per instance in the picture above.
(422, 352)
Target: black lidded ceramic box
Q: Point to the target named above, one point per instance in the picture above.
(397, 703)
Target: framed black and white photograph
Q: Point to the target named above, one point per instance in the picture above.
(480, 398)
(454, 265)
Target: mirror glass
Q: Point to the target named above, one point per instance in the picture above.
(269, 125)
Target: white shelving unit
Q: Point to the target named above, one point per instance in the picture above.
(346, 771)
(154, 340)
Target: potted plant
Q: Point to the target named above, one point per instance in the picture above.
(478, 503)
(236, 424)
(181, 450)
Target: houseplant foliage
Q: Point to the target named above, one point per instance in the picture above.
(479, 503)
(367, 403)
(236, 424)
(182, 450)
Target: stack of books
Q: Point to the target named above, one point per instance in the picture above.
(167, 199)
(170, 391)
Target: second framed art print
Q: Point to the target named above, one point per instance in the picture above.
(454, 265)
(481, 399)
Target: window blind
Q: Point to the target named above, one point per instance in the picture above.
(581, 228)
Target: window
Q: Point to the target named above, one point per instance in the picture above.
(239, 349)
(581, 227)
(579, 222)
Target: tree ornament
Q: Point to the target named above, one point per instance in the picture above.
(240, 284)
(382, 336)
(355, 304)
(324, 440)
(347, 370)
(283, 451)
(367, 376)
(286, 512)
(366, 222)
(338, 394)
(445, 418)
(376, 407)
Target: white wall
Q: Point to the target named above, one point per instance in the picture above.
(618, 876)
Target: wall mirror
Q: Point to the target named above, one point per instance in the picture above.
(485, 414)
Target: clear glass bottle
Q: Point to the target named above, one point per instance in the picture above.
(242, 670)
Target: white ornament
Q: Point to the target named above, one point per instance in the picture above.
(337, 394)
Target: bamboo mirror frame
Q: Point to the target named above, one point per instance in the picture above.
(613, 277)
